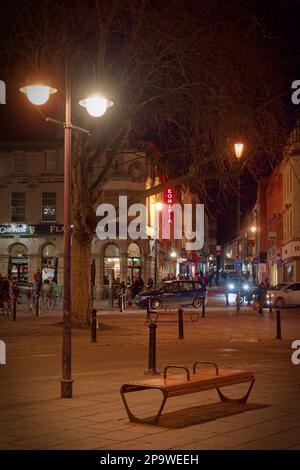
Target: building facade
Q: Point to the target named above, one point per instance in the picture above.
(31, 218)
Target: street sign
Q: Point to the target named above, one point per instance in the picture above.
(238, 265)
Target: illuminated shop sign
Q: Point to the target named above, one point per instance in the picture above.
(24, 229)
(169, 200)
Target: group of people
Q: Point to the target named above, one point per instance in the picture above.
(8, 292)
(46, 288)
(132, 288)
(260, 294)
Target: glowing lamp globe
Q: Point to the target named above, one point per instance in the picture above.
(38, 94)
(96, 105)
(238, 148)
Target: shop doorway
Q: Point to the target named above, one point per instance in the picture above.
(133, 262)
(18, 263)
(49, 263)
(111, 263)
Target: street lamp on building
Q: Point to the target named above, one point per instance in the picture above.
(38, 93)
(238, 148)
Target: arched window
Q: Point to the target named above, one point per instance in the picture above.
(18, 250)
(49, 250)
(133, 262)
(18, 263)
(111, 263)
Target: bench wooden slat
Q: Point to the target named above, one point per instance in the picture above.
(176, 381)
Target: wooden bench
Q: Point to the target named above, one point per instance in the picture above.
(176, 385)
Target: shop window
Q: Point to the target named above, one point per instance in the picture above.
(111, 263)
(49, 207)
(50, 161)
(18, 206)
(49, 262)
(18, 162)
(18, 263)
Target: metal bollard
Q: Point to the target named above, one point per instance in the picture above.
(278, 324)
(14, 309)
(94, 326)
(152, 350)
(227, 303)
(270, 309)
(180, 324)
(37, 305)
(122, 302)
(148, 308)
(203, 307)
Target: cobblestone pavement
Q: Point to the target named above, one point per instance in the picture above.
(32, 416)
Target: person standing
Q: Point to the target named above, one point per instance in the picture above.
(37, 278)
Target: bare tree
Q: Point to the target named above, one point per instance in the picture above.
(197, 74)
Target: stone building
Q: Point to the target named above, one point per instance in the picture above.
(31, 217)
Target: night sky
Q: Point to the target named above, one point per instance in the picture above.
(21, 122)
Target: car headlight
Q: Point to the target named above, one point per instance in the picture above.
(245, 286)
(231, 286)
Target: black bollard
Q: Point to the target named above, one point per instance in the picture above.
(278, 325)
(37, 305)
(122, 302)
(270, 309)
(14, 308)
(152, 350)
(180, 324)
(94, 326)
(227, 303)
(203, 307)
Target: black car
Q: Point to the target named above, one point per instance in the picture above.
(173, 293)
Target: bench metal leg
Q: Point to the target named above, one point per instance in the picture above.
(134, 418)
(196, 315)
(236, 400)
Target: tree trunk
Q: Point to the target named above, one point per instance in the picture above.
(81, 280)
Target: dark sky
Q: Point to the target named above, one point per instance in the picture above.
(20, 121)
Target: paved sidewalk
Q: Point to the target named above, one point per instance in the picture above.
(34, 417)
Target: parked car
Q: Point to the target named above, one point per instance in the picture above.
(285, 293)
(173, 293)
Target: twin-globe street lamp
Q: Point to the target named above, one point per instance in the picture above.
(238, 148)
(96, 105)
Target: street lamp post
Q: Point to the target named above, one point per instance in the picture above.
(238, 153)
(66, 381)
(96, 105)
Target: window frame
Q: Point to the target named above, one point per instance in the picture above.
(42, 206)
(16, 153)
(45, 153)
(11, 207)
